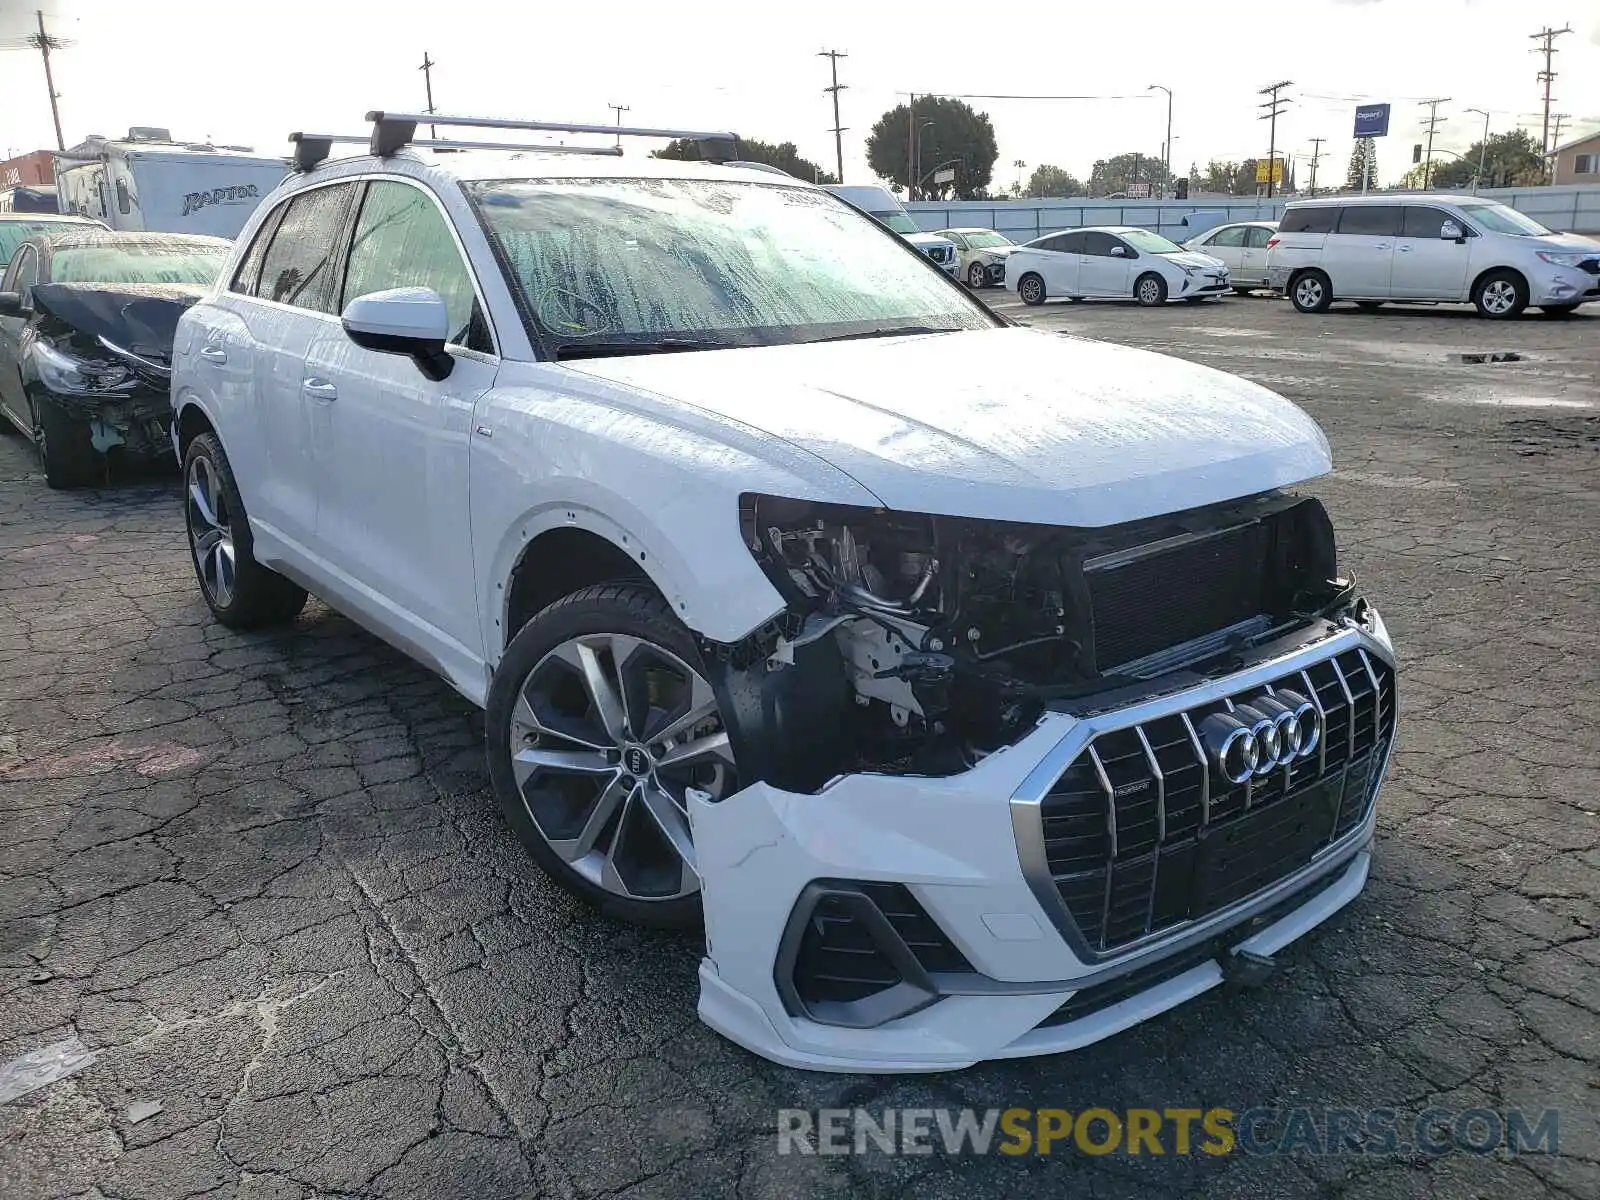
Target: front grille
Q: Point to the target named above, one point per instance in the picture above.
(1142, 835)
(1167, 596)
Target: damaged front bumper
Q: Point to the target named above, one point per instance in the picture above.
(914, 923)
(136, 421)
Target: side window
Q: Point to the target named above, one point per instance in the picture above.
(1371, 220)
(247, 279)
(1320, 218)
(961, 242)
(1100, 245)
(1421, 221)
(1233, 236)
(1256, 236)
(122, 198)
(1070, 243)
(300, 264)
(403, 240)
(24, 273)
(1586, 164)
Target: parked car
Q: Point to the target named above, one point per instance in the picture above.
(981, 255)
(1429, 249)
(14, 226)
(880, 204)
(86, 324)
(1242, 248)
(1119, 261)
(963, 695)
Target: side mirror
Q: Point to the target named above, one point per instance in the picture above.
(1451, 232)
(11, 305)
(410, 321)
(1118, 252)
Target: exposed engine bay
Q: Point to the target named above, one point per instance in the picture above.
(914, 643)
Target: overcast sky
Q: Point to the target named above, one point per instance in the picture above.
(250, 72)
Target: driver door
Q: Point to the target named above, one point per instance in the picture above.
(20, 277)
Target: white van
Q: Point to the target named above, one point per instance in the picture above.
(147, 183)
(880, 204)
(1429, 249)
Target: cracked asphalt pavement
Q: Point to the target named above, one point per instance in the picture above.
(263, 878)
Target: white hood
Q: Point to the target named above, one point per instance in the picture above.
(1010, 424)
(928, 239)
(1196, 258)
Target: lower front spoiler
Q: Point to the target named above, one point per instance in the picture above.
(962, 1030)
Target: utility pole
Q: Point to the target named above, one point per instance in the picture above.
(427, 82)
(833, 57)
(911, 147)
(1166, 146)
(1274, 106)
(1434, 121)
(619, 109)
(1548, 37)
(1316, 157)
(1483, 147)
(44, 43)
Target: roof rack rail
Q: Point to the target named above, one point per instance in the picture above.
(311, 149)
(391, 131)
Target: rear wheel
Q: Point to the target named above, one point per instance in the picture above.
(1031, 288)
(1501, 295)
(1311, 292)
(601, 723)
(66, 449)
(1150, 290)
(240, 592)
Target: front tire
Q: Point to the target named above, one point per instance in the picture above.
(66, 450)
(241, 593)
(1150, 290)
(600, 722)
(1311, 292)
(1501, 295)
(1031, 288)
(977, 276)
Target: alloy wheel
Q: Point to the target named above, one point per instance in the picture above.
(976, 275)
(1308, 292)
(211, 532)
(1499, 296)
(1149, 292)
(609, 736)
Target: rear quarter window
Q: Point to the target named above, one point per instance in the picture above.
(1320, 219)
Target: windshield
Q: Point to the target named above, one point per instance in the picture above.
(12, 234)
(1150, 243)
(1497, 218)
(647, 261)
(983, 241)
(898, 222)
(138, 264)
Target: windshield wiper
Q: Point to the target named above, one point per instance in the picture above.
(906, 331)
(616, 349)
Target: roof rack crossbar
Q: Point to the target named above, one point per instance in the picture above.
(311, 149)
(390, 131)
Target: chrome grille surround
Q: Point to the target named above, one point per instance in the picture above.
(1218, 805)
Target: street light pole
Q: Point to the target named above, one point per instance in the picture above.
(1166, 147)
(917, 166)
(1483, 147)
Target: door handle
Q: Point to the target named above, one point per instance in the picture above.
(320, 388)
(214, 354)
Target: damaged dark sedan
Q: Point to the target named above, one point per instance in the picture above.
(86, 326)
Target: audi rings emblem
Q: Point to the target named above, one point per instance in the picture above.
(1269, 732)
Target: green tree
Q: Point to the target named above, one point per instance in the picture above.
(1219, 177)
(1047, 180)
(1510, 159)
(783, 155)
(1363, 152)
(956, 135)
(1114, 174)
(1244, 179)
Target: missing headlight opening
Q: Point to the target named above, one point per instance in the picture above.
(918, 644)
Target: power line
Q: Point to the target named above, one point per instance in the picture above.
(44, 43)
(1014, 96)
(833, 57)
(1274, 106)
(1548, 37)
(1433, 123)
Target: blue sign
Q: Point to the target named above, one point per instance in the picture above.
(1372, 120)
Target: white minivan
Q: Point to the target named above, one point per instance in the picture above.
(1449, 249)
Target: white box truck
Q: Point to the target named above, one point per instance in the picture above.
(148, 182)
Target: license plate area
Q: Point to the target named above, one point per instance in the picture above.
(1240, 857)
